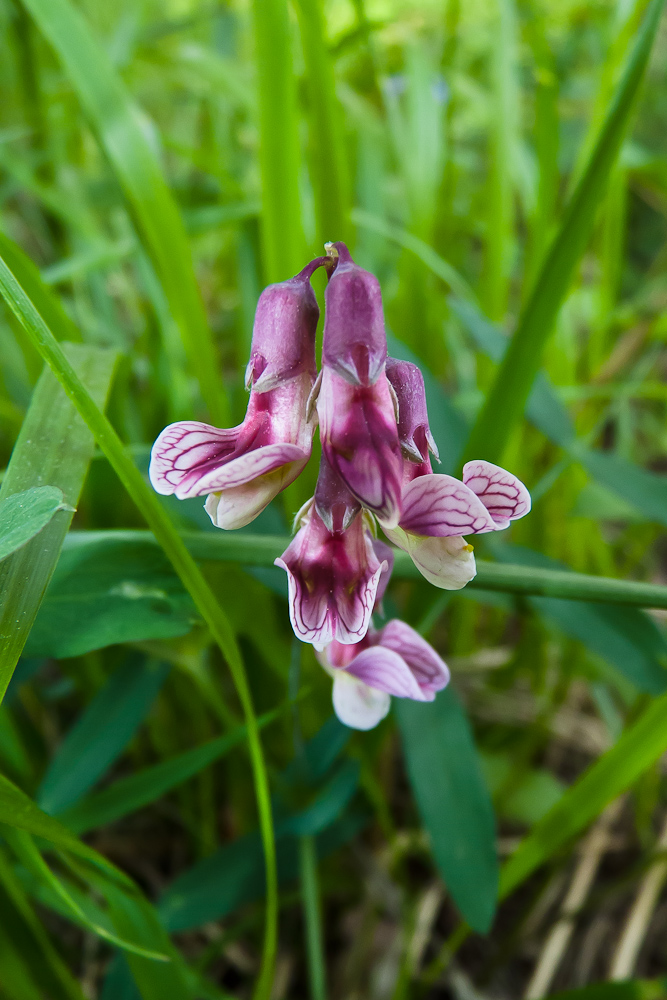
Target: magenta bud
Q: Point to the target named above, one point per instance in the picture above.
(413, 430)
(355, 341)
(283, 336)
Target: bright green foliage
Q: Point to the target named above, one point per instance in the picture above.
(502, 168)
(54, 447)
(453, 801)
(23, 515)
(122, 129)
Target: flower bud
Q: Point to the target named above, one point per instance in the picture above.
(414, 433)
(355, 342)
(283, 336)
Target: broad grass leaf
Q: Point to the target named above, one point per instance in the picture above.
(646, 491)
(129, 794)
(18, 810)
(234, 875)
(121, 129)
(136, 920)
(453, 801)
(54, 447)
(101, 733)
(635, 751)
(31, 967)
(190, 575)
(623, 636)
(23, 515)
(305, 805)
(119, 983)
(101, 595)
(507, 397)
(23, 846)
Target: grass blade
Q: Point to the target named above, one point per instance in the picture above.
(24, 848)
(47, 304)
(100, 734)
(192, 578)
(507, 397)
(121, 131)
(23, 515)
(283, 244)
(327, 149)
(453, 799)
(636, 750)
(129, 794)
(39, 965)
(54, 447)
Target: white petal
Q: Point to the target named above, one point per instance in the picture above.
(356, 704)
(447, 562)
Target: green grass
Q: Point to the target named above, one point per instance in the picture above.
(502, 168)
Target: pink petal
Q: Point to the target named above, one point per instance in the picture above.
(309, 612)
(184, 453)
(429, 669)
(386, 670)
(503, 495)
(360, 442)
(439, 506)
(333, 579)
(357, 705)
(446, 562)
(250, 466)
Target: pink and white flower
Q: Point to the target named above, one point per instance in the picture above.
(333, 577)
(395, 661)
(438, 510)
(243, 468)
(355, 403)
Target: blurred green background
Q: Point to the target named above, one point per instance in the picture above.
(501, 165)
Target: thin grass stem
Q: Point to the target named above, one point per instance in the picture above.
(186, 568)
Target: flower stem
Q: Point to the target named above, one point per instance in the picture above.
(312, 917)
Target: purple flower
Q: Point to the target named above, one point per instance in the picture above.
(243, 468)
(333, 578)
(396, 661)
(438, 510)
(355, 403)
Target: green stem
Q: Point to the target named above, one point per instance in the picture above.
(312, 917)
(261, 550)
(190, 574)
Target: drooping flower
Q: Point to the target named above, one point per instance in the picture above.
(438, 510)
(355, 404)
(243, 468)
(332, 567)
(394, 661)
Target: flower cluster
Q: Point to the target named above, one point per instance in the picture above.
(375, 469)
